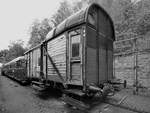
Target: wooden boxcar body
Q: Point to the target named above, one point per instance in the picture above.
(78, 52)
(33, 63)
(16, 69)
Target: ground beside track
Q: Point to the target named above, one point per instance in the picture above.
(15, 98)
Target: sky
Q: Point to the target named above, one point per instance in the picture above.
(16, 17)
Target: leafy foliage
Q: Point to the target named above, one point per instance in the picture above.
(3, 55)
(62, 13)
(134, 23)
(66, 9)
(38, 32)
(16, 49)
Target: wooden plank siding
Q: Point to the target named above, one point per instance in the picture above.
(28, 65)
(36, 67)
(91, 63)
(99, 67)
(33, 60)
(75, 77)
(103, 60)
(57, 50)
(102, 65)
(31, 64)
(91, 67)
(110, 59)
(44, 65)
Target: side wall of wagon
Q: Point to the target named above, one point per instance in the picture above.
(33, 63)
(56, 49)
(100, 37)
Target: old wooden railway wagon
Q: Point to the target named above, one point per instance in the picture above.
(16, 69)
(34, 64)
(77, 54)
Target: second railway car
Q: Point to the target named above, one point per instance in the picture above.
(16, 69)
(33, 58)
(77, 54)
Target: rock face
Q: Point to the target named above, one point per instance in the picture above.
(124, 68)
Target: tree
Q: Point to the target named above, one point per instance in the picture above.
(62, 13)
(78, 5)
(124, 14)
(16, 49)
(34, 38)
(143, 25)
(3, 54)
(38, 33)
(44, 28)
(143, 18)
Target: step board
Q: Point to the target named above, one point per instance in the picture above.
(37, 83)
(74, 91)
(76, 103)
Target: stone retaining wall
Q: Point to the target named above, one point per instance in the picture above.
(124, 68)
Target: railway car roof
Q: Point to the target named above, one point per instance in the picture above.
(33, 48)
(77, 18)
(15, 60)
(74, 20)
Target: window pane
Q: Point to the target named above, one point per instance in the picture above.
(92, 17)
(75, 41)
(75, 50)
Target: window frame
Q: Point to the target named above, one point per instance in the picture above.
(70, 44)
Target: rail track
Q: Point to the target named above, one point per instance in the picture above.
(133, 109)
(87, 105)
